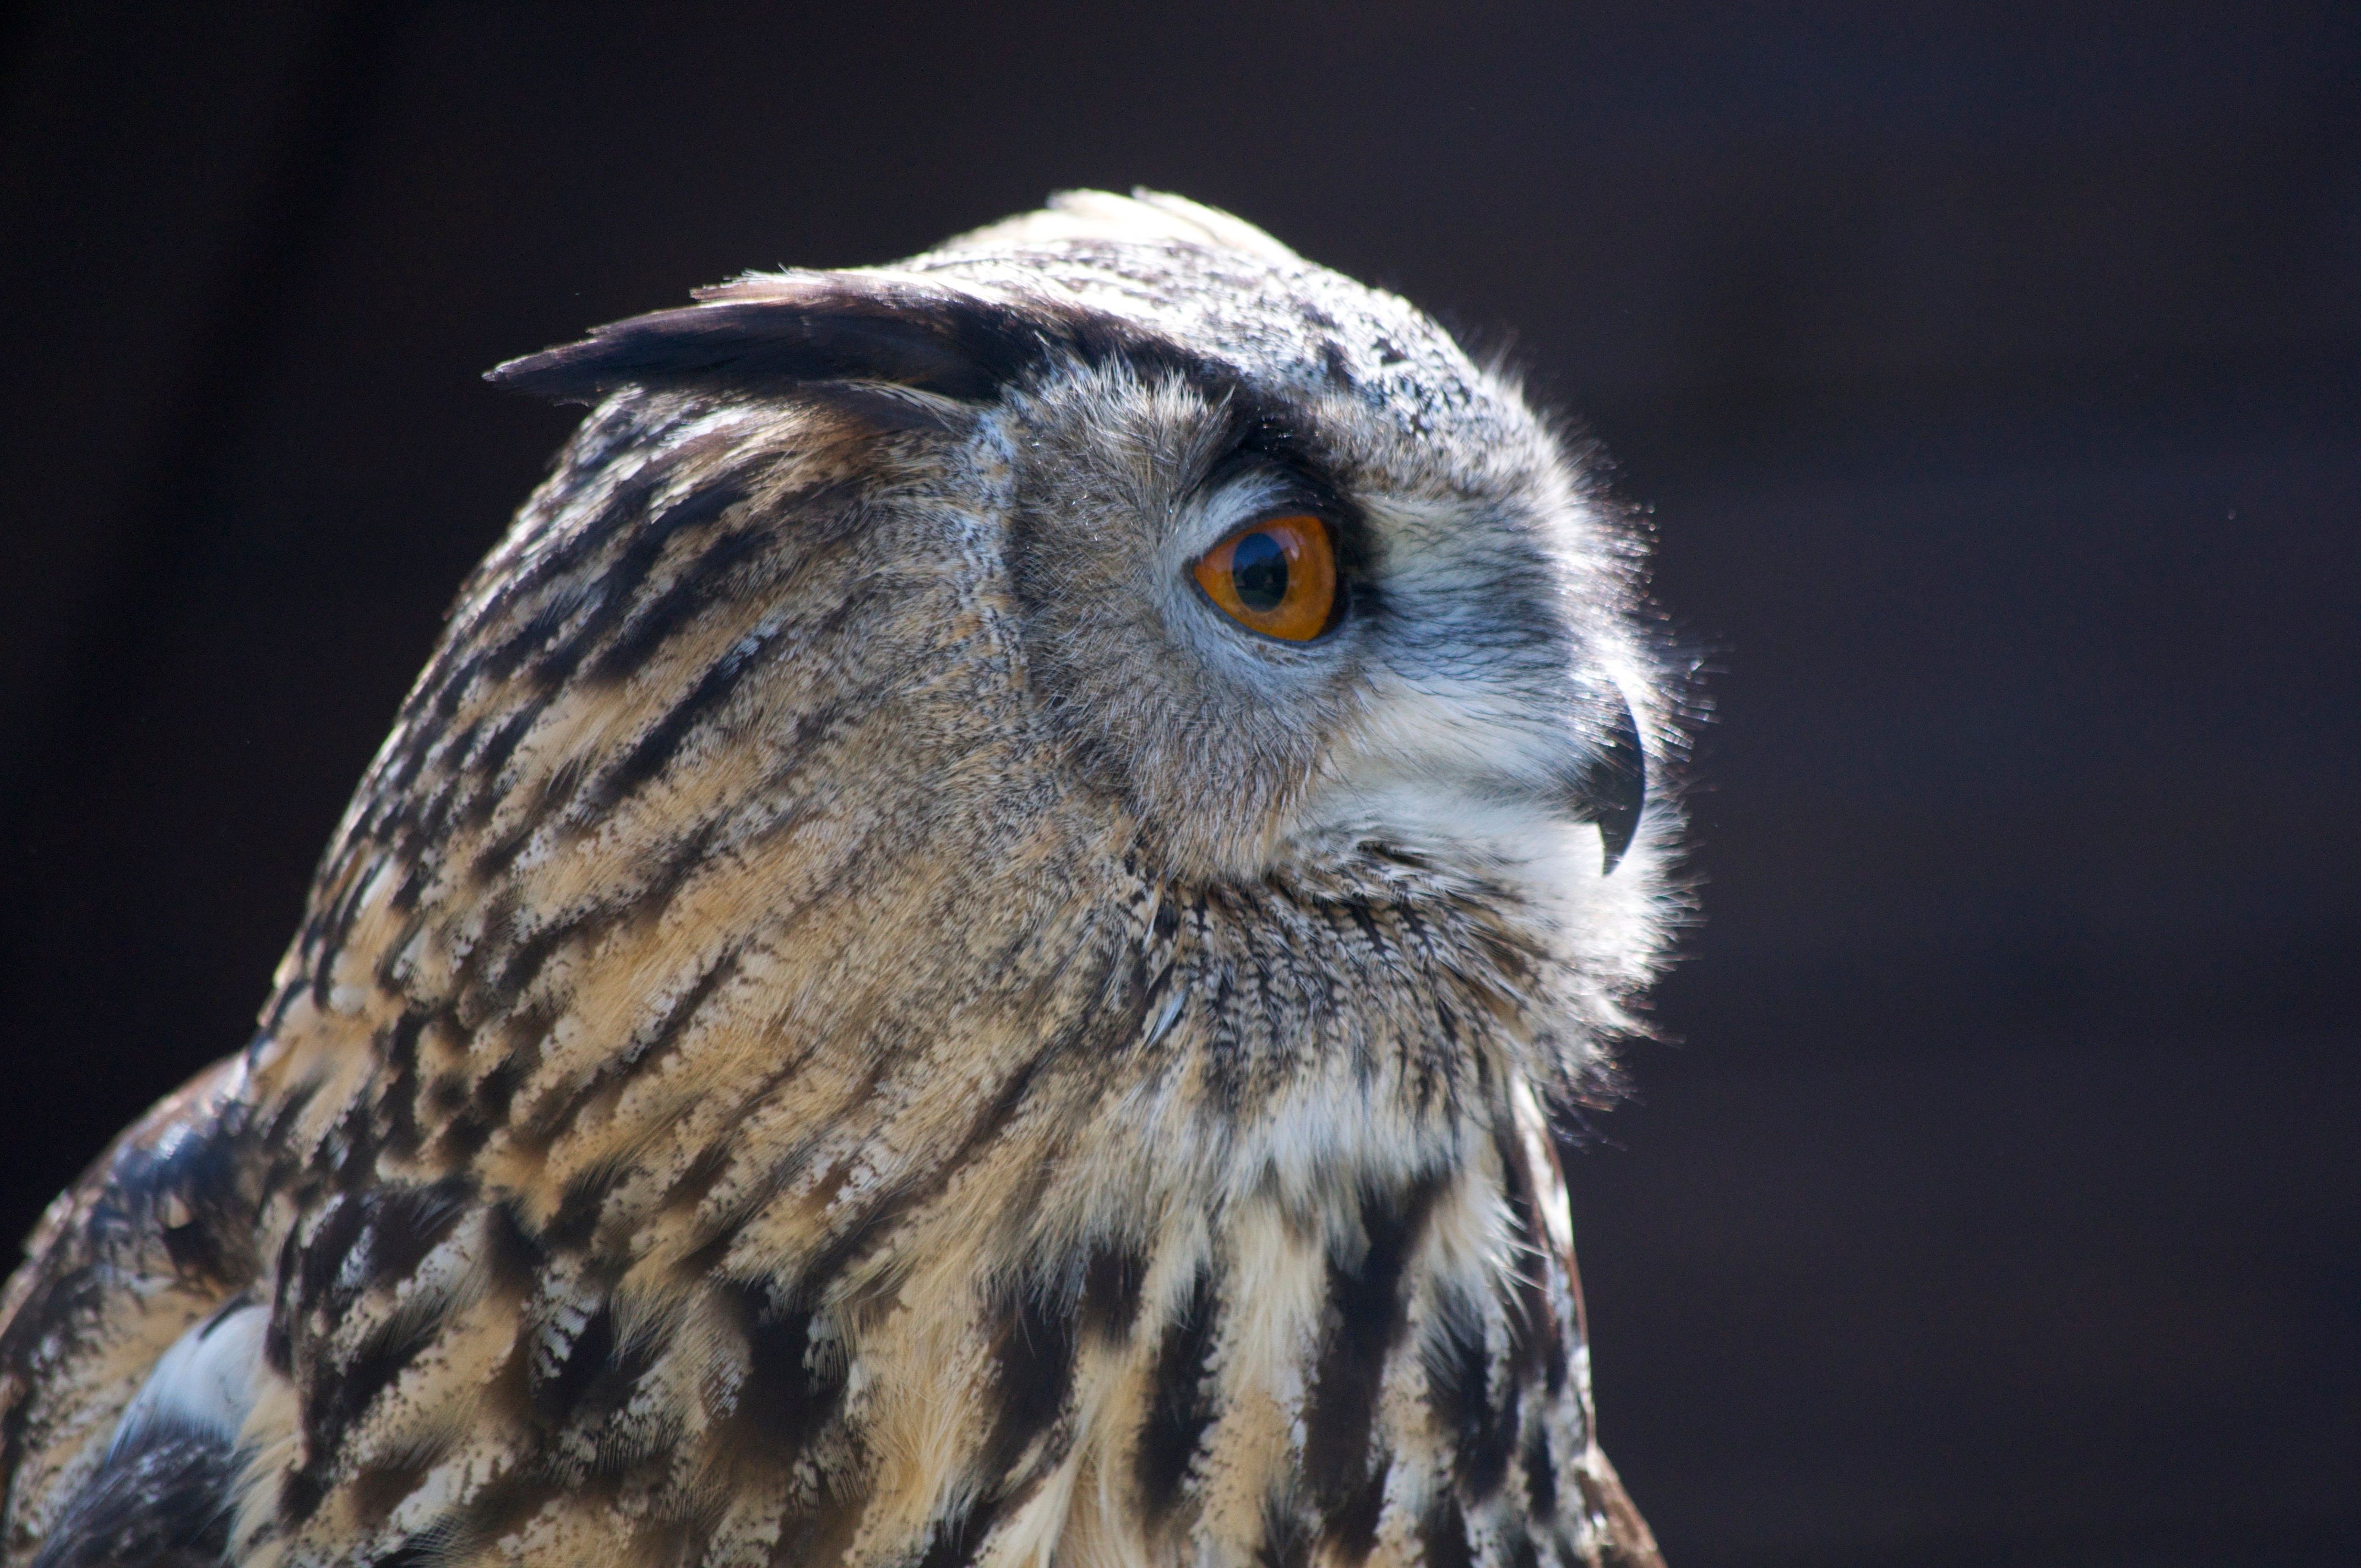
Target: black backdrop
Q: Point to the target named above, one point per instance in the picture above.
(1991, 374)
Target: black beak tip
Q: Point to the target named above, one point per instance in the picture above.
(1613, 787)
(1615, 831)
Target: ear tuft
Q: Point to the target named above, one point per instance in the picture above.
(771, 333)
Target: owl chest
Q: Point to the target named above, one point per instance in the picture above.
(1393, 1375)
(1356, 1382)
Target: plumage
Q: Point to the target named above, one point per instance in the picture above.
(859, 1019)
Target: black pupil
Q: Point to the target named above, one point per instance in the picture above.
(1258, 571)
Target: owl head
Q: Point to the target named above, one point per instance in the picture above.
(1108, 616)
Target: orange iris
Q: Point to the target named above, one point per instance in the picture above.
(1278, 577)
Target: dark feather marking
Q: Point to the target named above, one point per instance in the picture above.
(874, 1224)
(1458, 1376)
(1035, 1361)
(1247, 916)
(1226, 1066)
(301, 1491)
(1540, 1473)
(697, 586)
(571, 550)
(576, 1220)
(332, 925)
(616, 591)
(513, 1256)
(558, 789)
(442, 688)
(1444, 1532)
(1351, 1526)
(501, 660)
(706, 1168)
(350, 1150)
(1367, 1311)
(793, 1387)
(165, 1502)
(398, 1044)
(655, 750)
(402, 901)
(507, 1501)
(407, 1223)
(1523, 1554)
(323, 1252)
(278, 1342)
(599, 1373)
(718, 1232)
(1533, 1324)
(334, 1401)
(394, 784)
(398, 1226)
(276, 1132)
(1112, 1278)
(463, 1138)
(497, 1089)
(485, 769)
(552, 795)
(639, 1056)
(500, 851)
(819, 1536)
(200, 1176)
(498, 993)
(1536, 1335)
(855, 1241)
(555, 1393)
(422, 827)
(1446, 1022)
(1339, 368)
(466, 987)
(956, 1539)
(1181, 1404)
(375, 1490)
(14, 1354)
(676, 863)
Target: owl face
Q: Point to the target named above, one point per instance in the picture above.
(1444, 699)
(1296, 583)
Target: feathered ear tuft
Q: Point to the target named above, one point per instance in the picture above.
(776, 332)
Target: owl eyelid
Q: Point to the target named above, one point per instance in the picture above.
(1235, 507)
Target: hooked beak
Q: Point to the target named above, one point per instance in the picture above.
(1610, 788)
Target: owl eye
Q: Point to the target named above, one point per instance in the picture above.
(1278, 577)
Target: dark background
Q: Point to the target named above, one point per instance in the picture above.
(1994, 374)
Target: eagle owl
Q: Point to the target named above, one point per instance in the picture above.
(969, 951)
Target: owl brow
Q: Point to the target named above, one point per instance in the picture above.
(1264, 443)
